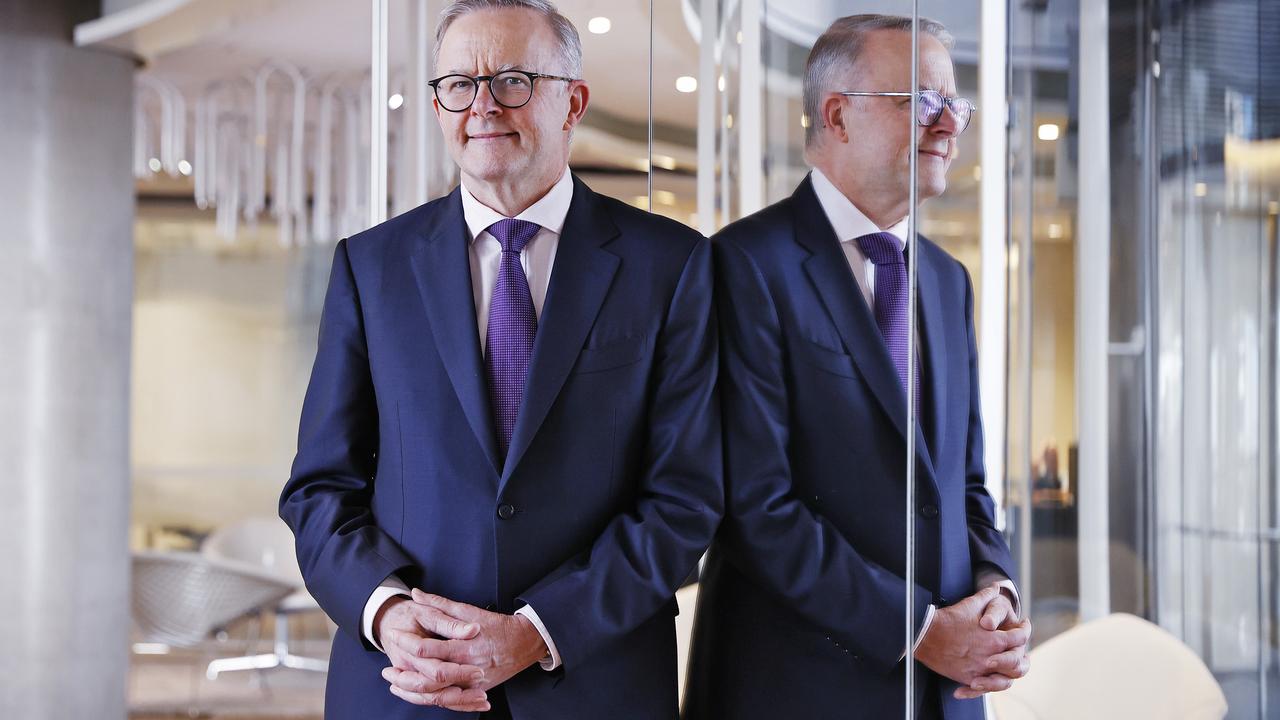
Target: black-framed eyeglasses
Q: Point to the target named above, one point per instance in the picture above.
(929, 108)
(509, 88)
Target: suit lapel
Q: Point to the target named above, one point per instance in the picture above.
(828, 270)
(580, 279)
(443, 272)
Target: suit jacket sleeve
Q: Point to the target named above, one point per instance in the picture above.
(343, 553)
(986, 543)
(633, 568)
(769, 533)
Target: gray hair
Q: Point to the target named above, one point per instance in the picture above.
(565, 32)
(838, 49)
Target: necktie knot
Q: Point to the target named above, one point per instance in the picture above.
(513, 234)
(882, 248)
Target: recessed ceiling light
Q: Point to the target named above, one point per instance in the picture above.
(154, 164)
(686, 84)
(184, 167)
(1201, 189)
(395, 101)
(1047, 131)
(599, 25)
(720, 83)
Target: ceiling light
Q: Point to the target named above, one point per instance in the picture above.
(739, 37)
(686, 84)
(1201, 189)
(1055, 231)
(666, 162)
(184, 167)
(154, 164)
(599, 25)
(728, 121)
(1047, 131)
(395, 101)
(720, 84)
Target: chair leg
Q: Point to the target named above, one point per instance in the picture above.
(279, 657)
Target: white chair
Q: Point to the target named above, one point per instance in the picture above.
(266, 543)
(1119, 667)
(179, 598)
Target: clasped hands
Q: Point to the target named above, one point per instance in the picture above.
(449, 654)
(979, 642)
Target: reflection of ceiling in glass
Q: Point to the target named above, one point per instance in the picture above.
(203, 40)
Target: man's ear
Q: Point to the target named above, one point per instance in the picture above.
(833, 117)
(579, 95)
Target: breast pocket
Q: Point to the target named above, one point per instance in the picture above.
(836, 363)
(610, 355)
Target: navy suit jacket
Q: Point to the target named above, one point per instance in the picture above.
(611, 490)
(802, 604)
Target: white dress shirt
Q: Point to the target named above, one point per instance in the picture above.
(850, 224)
(485, 254)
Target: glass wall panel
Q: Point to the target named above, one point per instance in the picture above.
(1215, 131)
(1041, 450)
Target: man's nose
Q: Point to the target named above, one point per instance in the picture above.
(947, 124)
(484, 104)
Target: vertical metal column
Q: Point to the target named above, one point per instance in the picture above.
(913, 224)
(706, 116)
(1093, 255)
(378, 114)
(993, 322)
(750, 117)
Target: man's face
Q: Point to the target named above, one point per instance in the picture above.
(491, 142)
(879, 128)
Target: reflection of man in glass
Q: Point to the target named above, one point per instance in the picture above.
(803, 600)
(512, 409)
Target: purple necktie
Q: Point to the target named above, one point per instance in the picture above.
(884, 250)
(512, 327)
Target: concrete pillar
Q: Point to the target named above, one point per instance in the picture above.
(66, 291)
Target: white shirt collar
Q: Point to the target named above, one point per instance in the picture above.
(548, 212)
(845, 217)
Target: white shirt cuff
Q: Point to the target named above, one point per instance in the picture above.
(924, 628)
(391, 587)
(553, 660)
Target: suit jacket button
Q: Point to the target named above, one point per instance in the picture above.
(506, 511)
(929, 511)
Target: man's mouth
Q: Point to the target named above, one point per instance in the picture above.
(934, 153)
(489, 135)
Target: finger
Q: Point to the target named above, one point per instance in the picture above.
(998, 610)
(443, 673)
(464, 703)
(981, 599)
(419, 646)
(437, 622)
(414, 682)
(991, 683)
(1018, 636)
(1010, 663)
(968, 693)
(462, 611)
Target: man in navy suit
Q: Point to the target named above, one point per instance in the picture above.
(802, 604)
(509, 454)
